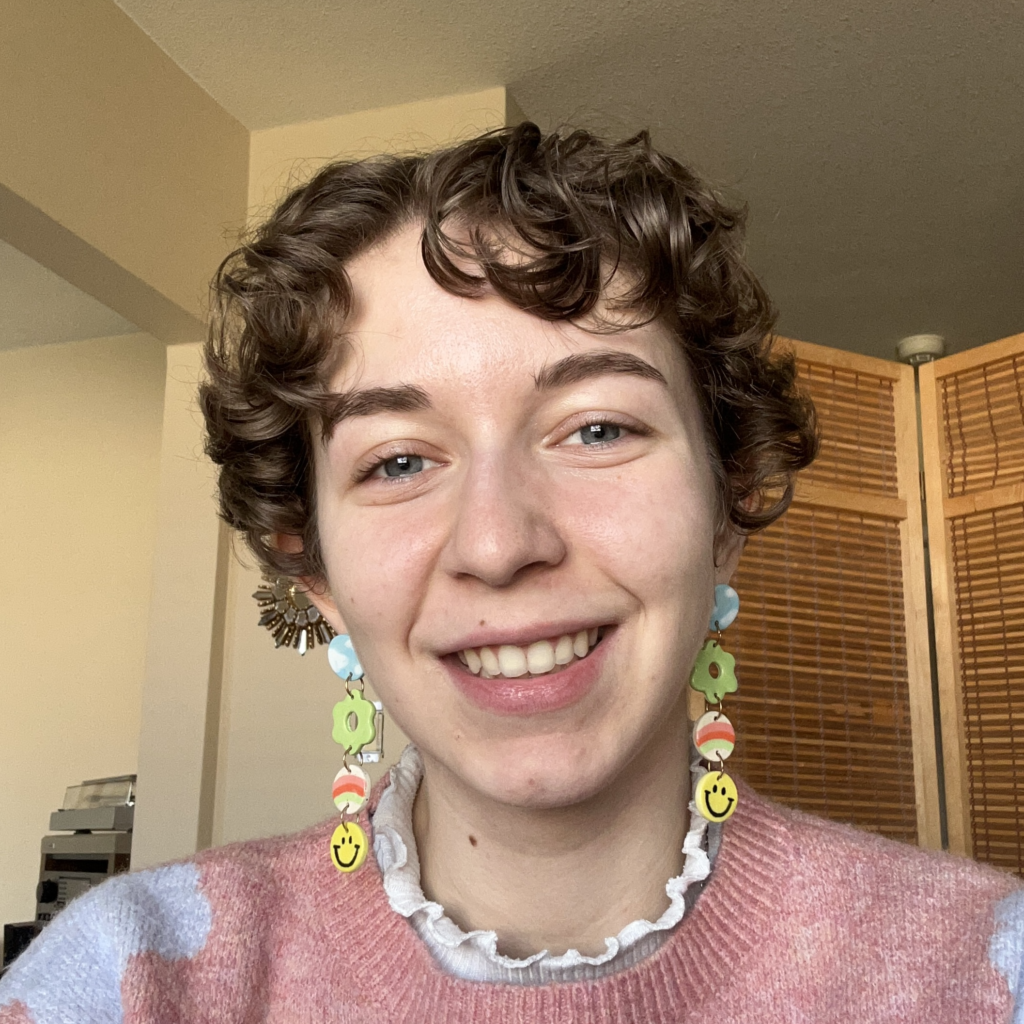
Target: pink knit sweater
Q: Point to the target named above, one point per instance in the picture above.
(801, 920)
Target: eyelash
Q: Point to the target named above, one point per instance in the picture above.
(365, 471)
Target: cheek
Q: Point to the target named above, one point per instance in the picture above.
(650, 523)
(377, 562)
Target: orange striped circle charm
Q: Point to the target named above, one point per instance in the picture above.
(714, 736)
(351, 789)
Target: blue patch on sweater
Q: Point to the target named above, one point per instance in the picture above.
(1006, 949)
(72, 972)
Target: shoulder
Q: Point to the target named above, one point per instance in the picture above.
(192, 912)
(947, 915)
(854, 859)
(80, 957)
(1006, 948)
(283, 877)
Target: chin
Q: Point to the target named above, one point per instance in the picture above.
(542, 772)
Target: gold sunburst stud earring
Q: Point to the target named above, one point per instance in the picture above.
(289, 616)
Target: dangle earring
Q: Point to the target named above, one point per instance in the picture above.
(359, 730)
(714, 675)
(289, 615)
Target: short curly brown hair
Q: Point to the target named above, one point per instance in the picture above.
(572, 208)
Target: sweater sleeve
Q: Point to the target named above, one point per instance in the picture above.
(72, 972)
(1006, 950)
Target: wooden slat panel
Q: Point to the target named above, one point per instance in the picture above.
(883, 369)
(984, 501)
(983, 413)
(975, 470)
(823, 714)
(992, 677)
(885, 507)
(972, 357)
(832, 641)
(853, 396)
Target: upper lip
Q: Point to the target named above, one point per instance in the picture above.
(523, 636)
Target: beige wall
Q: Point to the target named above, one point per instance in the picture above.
(79, 453)
(121, 175)
(184, 651)
(116, 170)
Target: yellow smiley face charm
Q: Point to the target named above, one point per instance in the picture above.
(715, 796)
(348, 847)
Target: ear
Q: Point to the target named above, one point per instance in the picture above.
(729, 545)
(317, 590)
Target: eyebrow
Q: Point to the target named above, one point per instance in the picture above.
(584, 365)
(368, 401)
(409, 397)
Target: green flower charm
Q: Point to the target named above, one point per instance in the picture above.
(714, 672)
(354, 724)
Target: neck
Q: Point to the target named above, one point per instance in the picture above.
(587, 871)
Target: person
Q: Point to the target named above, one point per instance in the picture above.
(506, 412)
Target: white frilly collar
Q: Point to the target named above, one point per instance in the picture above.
(474, 955)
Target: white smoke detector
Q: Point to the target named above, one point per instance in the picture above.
(920, 348)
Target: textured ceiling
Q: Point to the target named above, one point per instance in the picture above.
(39, 308)
(880, 144)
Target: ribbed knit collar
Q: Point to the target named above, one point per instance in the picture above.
(751, 881)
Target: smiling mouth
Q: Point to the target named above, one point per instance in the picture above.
(349, 863)
(713, 812)
(541, 658)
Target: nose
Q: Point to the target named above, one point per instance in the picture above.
(505, 524)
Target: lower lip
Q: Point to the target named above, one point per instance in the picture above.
(531, 695)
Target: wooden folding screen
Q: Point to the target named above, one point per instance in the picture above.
(834, 712)
(972, 409)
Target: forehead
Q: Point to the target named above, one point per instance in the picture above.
(403, 324)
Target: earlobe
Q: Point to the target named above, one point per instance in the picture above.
(318, 592)
(729, 545)
(317, 589)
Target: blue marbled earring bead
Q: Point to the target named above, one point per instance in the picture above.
(727, 607)
(343, 659)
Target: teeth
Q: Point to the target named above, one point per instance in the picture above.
(564, 652)
(489, 661)
(540, 657)
(580, 646)
(512, 661)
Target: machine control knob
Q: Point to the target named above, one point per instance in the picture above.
(47, 891)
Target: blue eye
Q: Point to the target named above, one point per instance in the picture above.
(598, 432)
(403, 465)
